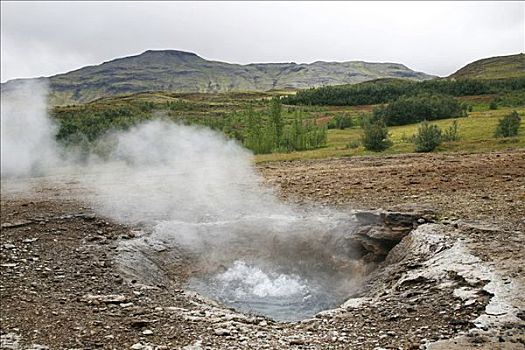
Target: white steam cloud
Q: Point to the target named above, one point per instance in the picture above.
(164, 171)
(28, 143)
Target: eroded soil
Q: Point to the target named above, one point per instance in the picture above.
(60, 288)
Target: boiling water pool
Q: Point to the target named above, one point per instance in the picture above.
(279, 295)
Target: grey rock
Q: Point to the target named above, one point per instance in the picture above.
(140, 346)
(21, 223)
(221, 331)
(107, 299)
(10, 341)
(296, 340)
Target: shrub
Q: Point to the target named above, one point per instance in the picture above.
(508, 126)
(428, 137)
(303, 135)
(452, 133)
(340, 121)
(353, 144)
(512, 99)
(375, 135)
(493, 105)
(414, 109)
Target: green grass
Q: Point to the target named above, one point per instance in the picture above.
(476, 132)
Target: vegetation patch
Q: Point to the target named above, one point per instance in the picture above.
(428, 137)
(277, 131)
(509, 125)
(388, 90)
(414, 109)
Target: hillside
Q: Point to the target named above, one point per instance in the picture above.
(512, 66)
(179, 71)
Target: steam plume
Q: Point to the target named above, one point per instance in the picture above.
(28, 143)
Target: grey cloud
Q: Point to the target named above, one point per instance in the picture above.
(40, 38)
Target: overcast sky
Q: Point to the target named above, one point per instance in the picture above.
(42, 39)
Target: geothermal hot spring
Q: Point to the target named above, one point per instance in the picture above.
(206, 213)
(208, 221)
(285, 267)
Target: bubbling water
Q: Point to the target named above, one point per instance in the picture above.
(246, 280)
(267, 291)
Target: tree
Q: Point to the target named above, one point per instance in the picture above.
(414, 109)
(375, 135)
(452, 133)
(428, 137)
(340, 121)
(277, 119)
(509, 125)
(260, 136)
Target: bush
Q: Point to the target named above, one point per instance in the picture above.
(303, 135)
(512, 99)
(508, 126)
(414, 109)
(428, 137)
(353, 144)
(375, 135)
(340, 121)
(452, 133)
(493, 105)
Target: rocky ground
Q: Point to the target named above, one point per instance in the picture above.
(488, 187)
(454, 284)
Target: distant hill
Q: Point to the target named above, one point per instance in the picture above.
(178, 71)
(512, 66)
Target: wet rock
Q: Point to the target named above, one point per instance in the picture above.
(380, 231)
(395, 219)
(383, 233)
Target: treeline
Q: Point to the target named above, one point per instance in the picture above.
(385, 91)
(89, 123)
(262, 131)
(268, 131)
(415, 109)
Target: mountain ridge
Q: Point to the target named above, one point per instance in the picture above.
(183, 71)
(496, 67)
